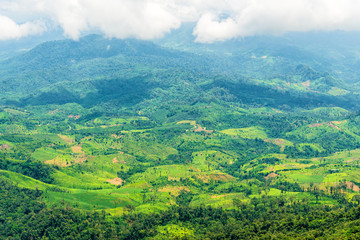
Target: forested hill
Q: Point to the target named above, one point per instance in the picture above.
(334, 52)
(95, 70)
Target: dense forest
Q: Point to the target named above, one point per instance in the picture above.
(25, 216)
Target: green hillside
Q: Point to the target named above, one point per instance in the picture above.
(126, 139)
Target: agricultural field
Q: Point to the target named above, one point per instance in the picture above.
(112, 164)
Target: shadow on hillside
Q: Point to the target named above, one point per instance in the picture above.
(123, 92)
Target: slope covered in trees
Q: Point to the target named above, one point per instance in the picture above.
(125, 139)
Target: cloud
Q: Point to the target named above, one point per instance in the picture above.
(259, 17)
(148, 19)
(211, 29)
(144, 19)
(11, 30)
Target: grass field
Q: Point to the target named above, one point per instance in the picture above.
(251, 132)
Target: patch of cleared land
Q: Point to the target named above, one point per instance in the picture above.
(66, 139)
(77, 149)
(116, 181)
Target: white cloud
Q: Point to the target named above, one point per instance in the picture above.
(210, 28)
(11, 30)
(258, 17)
(143, 19)
(147, 19)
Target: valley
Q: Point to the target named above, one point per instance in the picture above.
(138, 131)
